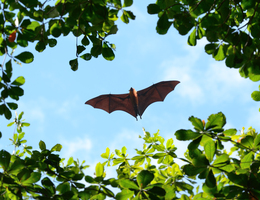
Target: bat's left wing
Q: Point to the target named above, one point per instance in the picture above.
(154, 93)
(112, 102)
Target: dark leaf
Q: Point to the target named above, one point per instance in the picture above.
(74, 64)
(12, 106)
(186, 134)
(4, 159)
(144, 178)
(107, 52)
(86, 56)
(153, 9)
(25, 57)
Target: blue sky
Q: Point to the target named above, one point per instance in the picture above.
(55, 96)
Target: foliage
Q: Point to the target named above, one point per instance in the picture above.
(151, 174)
(230, 27)
(26, 21)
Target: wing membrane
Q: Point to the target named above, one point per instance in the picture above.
(113, 102)
(154, 93)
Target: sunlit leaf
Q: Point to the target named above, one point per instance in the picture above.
(19, 81)
(42, 145)
(210, 149)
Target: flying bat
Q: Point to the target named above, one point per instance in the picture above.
(135, 102)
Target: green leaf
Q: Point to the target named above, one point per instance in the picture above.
(20, 116)
(63, 187)
(86, 56)
(257, 140)
(230, 132)
(210, 149)
(80, 49)
(19, 81)
(125, 183)
(25, 57)
(169, 143)
(70, 161)
(5, 110)
(124, 17)
(25, 124)
(40, 46)
(197, 123)
(248, 141)
(16, 166)
(85, 41)
(106, 154)
(191, 170)
(127, 3)
(12, 106)
(200, 161)
(184, 197)
(52, 42)
(47, 183)
(241, 179)
(130, 14)
(247, 160)
(74, 64)
(220, 160)
(124, 194)
(211, 180)
(16, 91)
(89, 179)
(192, 38)
(200, 32)
(216, 121)
(163, 24)
(99, 170)
(57, 147)
(186, 134)
(144, 178)
(153, 9)
(4, 159)
(42, 145)
(256, 95)
(96, 50)
(220, 54)
(211, 48)
(55, 30)
(34, 177)
(107, 52)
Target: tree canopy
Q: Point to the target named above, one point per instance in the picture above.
(231, 29)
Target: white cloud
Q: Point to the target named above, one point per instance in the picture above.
(214, 82)
(66, 107)
(74, 145)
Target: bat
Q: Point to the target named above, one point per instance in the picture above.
(135, 102)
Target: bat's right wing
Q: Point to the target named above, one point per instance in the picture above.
(154, 93)
(112, 102)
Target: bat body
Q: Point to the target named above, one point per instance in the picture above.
(135, 102)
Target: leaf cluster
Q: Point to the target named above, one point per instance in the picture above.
(153, 173)
(23, 22)
(230, 27)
